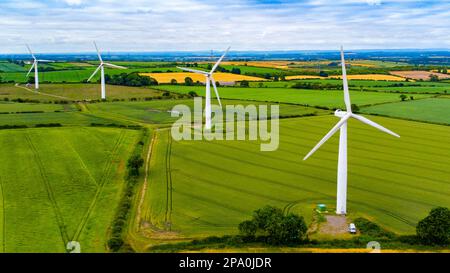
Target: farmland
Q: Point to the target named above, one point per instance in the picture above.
(331, 99)
(180, 77)
(205, 188)
(224, 181)
(63, 188)
(429, 110)
(419, 75)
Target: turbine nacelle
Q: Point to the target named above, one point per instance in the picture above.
(340, 113)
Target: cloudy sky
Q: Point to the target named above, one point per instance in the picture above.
(172, 25)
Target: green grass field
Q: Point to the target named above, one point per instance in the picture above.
(60, 185)
(332, 99)
(75, 91)
(78, 75)
(431, 110)
(157, 111)
(207, 188)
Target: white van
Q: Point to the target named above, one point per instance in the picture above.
(352, 228)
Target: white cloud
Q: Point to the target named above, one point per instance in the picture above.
(153, 25)
(73, 2)
(374, 2)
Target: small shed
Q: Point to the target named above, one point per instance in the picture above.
(321, 208)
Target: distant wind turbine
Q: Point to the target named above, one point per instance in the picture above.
(102, 71)
(209, 79)
(341, 203)
(35, 66)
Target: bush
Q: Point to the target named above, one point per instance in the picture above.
(435, 228)
(133, 165)
(371, 229)
(115, 243)
(192, 94)
(277, 228)
(248, 228)
(130, 79)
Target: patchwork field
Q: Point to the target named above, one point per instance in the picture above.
(431, 110)
(180, 76)
(285, 95)
(65, 188)
(376, 77)
(224, 181)
(419, 75)
(158, 111)
(75, 91)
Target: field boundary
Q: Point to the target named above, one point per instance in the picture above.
(145, 184)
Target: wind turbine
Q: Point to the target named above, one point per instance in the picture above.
(35, 66)
(102, 71)
(341, 203)
(209, 79)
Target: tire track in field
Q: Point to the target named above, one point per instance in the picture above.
(59, 218)
(106, 175)
(332, 170)
(4, 217)
(301, 175)
(169, 188)
(147, 172)
(80, 160)
(41, 93)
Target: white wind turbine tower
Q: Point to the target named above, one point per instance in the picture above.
(341, 203)
(35, 66)
(102, 71)
(209, 79)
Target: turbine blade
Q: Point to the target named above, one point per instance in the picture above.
(98, 53)
(193, 70)
(115, 66)
(373, 124)
(327, 136)
(348, 104)
(215, 90)
(218, 62)
(95, 72)
(32, 66)
(29, 50)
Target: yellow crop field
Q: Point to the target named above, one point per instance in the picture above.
(376, 77)
(269, 64)
(303, 77)
(180, 76)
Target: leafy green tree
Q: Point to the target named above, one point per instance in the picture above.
(434, 78)
(133, 165)
(293, 228)
(248, 228)
(323, 74)
(192, 94)
(235, 70)
(244, 83)
(265, 216)
(30, 79)
(435, 228)
(279, 229)
(355, 108)
(188, 81)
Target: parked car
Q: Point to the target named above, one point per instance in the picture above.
(352, 228)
